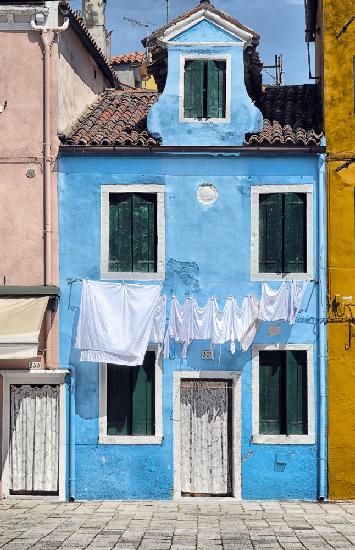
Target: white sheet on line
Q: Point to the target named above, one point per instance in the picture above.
(117, 321)
(189, 321)
(274, 304)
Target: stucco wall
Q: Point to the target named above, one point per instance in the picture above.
(125, 74)
(341, 362)
(21, 137)
(166, 113)
(80, 79)
(340, 137)
(217, 239)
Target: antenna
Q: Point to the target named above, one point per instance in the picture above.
(279, 70)
(167, 10)
(138, 23)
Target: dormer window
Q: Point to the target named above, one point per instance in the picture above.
(205, 89)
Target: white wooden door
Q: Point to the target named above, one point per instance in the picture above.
(34, 439)
(205, 437)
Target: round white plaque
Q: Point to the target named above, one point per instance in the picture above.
(207, 194)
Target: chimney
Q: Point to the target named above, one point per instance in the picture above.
(93, 13)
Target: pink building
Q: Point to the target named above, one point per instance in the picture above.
(50, 69)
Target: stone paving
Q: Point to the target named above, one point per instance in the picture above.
(191, 524)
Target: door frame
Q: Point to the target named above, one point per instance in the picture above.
(33, 377)
(235, 378)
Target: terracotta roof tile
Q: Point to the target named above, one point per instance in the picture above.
(292, 115)
(116, 119)
(134, 57)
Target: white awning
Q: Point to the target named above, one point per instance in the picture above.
(20, 324)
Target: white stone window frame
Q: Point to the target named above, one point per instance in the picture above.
(305, 439)
(256, 191)
(236, 379)
(159, 191)
(221, 57)
(21, 376)
(157, 438)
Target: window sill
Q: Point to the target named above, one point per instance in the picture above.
(225, 120)
(130, 439)
(284, 439)
(281, 276)
(128, 276)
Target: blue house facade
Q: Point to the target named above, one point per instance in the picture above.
(212, 188)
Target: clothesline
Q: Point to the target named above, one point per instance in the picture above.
(117, 322)
(189, 321)
(190, 293)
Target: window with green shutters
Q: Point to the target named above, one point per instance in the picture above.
(204, 88)
(133, 232)
(283, 233)
(130, 398)
(283, 392)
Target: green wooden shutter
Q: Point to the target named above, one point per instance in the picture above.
(271, 394)
(119, 402)
(270, 233)
(296, 392)
(295, 233)
(144, 234)
(120, 235)
(133, 232)
(216, 89)
(130, 398)
(194, 88)
(143, 383)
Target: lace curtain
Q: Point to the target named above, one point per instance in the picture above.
(34, 438)
(204, 437)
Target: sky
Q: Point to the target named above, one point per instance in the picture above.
(279, 22)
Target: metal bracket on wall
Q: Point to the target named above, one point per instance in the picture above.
(339, 316)
(345, 27)
(348, 345)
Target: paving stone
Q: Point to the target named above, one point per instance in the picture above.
(189, 524)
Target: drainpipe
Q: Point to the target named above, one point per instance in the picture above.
(47, 38)
(322, 314)
(72, 475)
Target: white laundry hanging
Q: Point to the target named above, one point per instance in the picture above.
(282, 304)
(117, 322)
(189, 321)
(274, 303)
(251, 322)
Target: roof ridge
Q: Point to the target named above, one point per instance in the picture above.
(207, 6)
(130, 57)
(80, 21)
